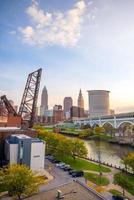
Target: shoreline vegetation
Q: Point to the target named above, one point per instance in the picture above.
(75, 150)
(96, 133)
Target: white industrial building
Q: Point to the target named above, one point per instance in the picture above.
(22, 149)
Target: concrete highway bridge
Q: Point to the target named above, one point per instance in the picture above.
(116, 121)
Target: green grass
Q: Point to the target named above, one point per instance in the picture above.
(81, 164)
(95, 178)
(128, 180)
(115, 192)
(101, 136)
(48, 128)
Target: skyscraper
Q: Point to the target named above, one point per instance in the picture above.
(98, 103)
(68, 102)
(80, 100)
(44, 101)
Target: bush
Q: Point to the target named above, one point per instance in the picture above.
(115, 192)
(95, 178)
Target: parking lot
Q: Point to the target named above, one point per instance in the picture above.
(61, 177)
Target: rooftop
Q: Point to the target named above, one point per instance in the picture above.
(70, 191)
(21, 136)
(9, 128)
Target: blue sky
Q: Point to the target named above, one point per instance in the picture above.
(87, 44)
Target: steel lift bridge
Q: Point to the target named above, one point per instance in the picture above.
(27, 109)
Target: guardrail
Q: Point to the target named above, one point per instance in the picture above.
(91, 190)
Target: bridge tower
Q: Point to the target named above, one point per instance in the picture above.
(29, 100)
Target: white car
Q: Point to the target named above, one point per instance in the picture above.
(60, 164)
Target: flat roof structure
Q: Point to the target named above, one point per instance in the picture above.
(70, 191)
(9, 128)
(21, 136)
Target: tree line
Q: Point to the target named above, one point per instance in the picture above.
(61, 146)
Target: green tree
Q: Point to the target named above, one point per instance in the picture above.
(99, 130)
(64, 148)
(128, 161)
(121, 180)
(86, 133)
(19, 180)
(78, 148)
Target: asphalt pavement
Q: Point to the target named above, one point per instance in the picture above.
(61, 177)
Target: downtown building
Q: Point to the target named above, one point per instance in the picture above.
(99, 103)
(44, 101)
(67, 103)
(78, 111)
(57, 113)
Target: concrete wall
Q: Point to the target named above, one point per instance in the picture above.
(13, 153)
(37, 155)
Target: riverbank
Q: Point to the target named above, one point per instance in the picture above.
(100, 137)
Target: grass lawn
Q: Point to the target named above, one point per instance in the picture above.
(115, 192)
(81, 164)
(127, 179)
(48, 129)
(95, 178)
(101, 137)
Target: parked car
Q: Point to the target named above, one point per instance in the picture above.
(50, 157)
(65, 166)
(57, 161)
(47, 156)
(68, 168)
(54, 160)
(116, 197)
(60, 164)
(77, 174)
(71, 171)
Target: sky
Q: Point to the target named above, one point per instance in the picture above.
(87, 44)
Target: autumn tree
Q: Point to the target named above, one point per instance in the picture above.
(64, 147)
(128, 161)
(20, 181)
(99, 130)
(78, 148)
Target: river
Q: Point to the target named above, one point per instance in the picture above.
(109, 152)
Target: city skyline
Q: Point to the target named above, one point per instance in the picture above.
(97, 54)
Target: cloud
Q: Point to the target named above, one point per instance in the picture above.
(53, 28)
(13, 32)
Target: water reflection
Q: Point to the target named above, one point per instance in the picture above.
(110, 153)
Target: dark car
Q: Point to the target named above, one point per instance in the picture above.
(57, 161)
(115, 197)
(71, 171)
(53, 160)
(50, 158)
(78, 174)
(67, 169)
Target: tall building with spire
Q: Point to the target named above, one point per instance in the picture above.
(44, 101)
(80, 100)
